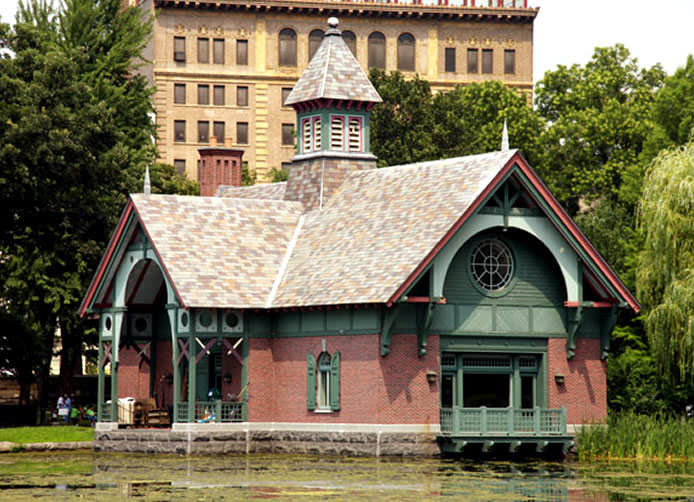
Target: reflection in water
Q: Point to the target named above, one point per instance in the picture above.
(162, 477)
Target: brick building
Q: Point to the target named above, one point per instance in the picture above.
(449, 305)
(223, 68)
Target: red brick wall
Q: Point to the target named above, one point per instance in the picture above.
(163, 367)
(373, 389)
(133, 375)
(584, 393)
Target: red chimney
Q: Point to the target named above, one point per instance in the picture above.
(219, 165)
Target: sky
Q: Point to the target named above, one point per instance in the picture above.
(567, 31)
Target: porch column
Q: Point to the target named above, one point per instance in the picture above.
(192, 369)
(101, 380)
(173, 325)
(118, 317)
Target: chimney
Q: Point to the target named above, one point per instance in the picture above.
(219, 166)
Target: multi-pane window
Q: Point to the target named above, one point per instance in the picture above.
(180, 49)
(351, 40)
(219, 95)
(242, 52)
(241, 95)
(242, 133)
(509, 61)
(180, 94)
(180, 165)
(179, 131)
(287, 47)
(203, 131)
(287, 134)
(323, 389)
(218, 51)
(487, 60)
(218, 131)
(449, 63)
(314, 40)
(285, 94)
(377, 50)
(472, 61)
(406, 50)
(354, 132)
(337, 133)
(203, 50)
(203, 94)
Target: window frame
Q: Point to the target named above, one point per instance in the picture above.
(350, 39)
(239, 125)
(203, 94)
(376, 50)
(179, 135)
(203, 132)
(286, 91)
(215, 124)
(487, 61)
(509, 69)
(406, 43)
(449, 60)
(218, 44)
(242, 52)
(314, 42)
(203, 50)
(179, 100)
(180, 166)
(287, 48)
(287, 135)
(179, 56)
(473, 60)
(222, 101)
(239, 93)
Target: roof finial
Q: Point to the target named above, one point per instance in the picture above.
(148, 185)
(333, 22)
(504, 138)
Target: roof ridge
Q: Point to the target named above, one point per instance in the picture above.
(325, 67)
(285, 262)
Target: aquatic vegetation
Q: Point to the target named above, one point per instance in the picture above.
(631, 436)
(50, 434)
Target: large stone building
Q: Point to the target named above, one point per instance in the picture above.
(222, 68)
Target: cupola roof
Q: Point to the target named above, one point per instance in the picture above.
(333, 73)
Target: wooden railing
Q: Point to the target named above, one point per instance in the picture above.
(211, 412)
(503, 421)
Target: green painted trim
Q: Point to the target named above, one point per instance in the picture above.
(244, 379)
(335, 382)
(390, 315)
(100, 382)
(609, 320)
(310, 382)
(192, 377)
(493, 344)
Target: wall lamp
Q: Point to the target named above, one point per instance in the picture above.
(169, 378)
(227, 378)
(431, 376)
(559, 379)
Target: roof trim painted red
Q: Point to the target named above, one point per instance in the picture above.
(517, 159)
(91, 291)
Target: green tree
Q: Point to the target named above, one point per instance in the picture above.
(666, 263)
(673, 109)
(598, 117)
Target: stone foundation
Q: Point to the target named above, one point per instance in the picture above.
(215, 439)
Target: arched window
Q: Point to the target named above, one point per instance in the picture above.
(323, 390)
(377, 50)
(351, 40)
(314, 40)
(406, 52)
(287, 47)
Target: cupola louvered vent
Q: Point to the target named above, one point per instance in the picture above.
(354, 135)
(316, 134)
(306, 140)
(337, 133)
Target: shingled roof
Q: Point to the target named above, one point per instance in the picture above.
(333, 73)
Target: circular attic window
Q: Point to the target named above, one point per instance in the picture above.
(491, 264)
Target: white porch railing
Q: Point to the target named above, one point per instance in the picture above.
(503, 421)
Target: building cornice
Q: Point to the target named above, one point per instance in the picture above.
(358, 9)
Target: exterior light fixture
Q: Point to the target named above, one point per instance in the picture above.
(227, 378)
(559, 379)
(169, 378)
(431, 376)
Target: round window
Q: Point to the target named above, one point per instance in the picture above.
(491, 264)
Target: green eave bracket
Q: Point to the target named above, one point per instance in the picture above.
(608, 324)
(389, 317)
(424, 316)
(575, 319)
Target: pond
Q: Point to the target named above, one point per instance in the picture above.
(103, 476)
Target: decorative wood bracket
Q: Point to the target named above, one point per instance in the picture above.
(231, 349)
(183, 344)
(205, 348)
(107, 354)
(424, 316)
(608, 323)
(389, 317)
(575, 319)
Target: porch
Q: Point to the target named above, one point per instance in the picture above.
(506, 429)
(201, 412)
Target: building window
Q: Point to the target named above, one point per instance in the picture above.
(351, 40)
(241, 95)
(337, 133)
(218, 131)
(406, 51)
(180, 49)
(487, 60)
(242, 52)
(285, 94)
(242, 133)
(314, 40)
(219, 95)
(180, 94)
(203, 50)
(472, 61)
(287, 47)
(450, 60)
(218, 52)
(180, 131)
(323, 382)
(509, 62)
(354, 131)
(180, 165)
(491, 264)
(377, 50)
(203, 131)
(287, 134)
(203, 94)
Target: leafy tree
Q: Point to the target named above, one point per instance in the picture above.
(666, 272)
(165, 179)
(278, 175)
(599, 120)
(673, 109)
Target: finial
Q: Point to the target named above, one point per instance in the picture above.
(148, 185)
(333, 22)
(504, 138)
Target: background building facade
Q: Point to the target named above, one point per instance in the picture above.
(223, 68)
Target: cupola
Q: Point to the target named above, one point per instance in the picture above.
(333, 101)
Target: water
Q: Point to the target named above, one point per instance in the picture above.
(93, 477)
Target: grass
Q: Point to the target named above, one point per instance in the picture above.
(50, 434)
(640, 437)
